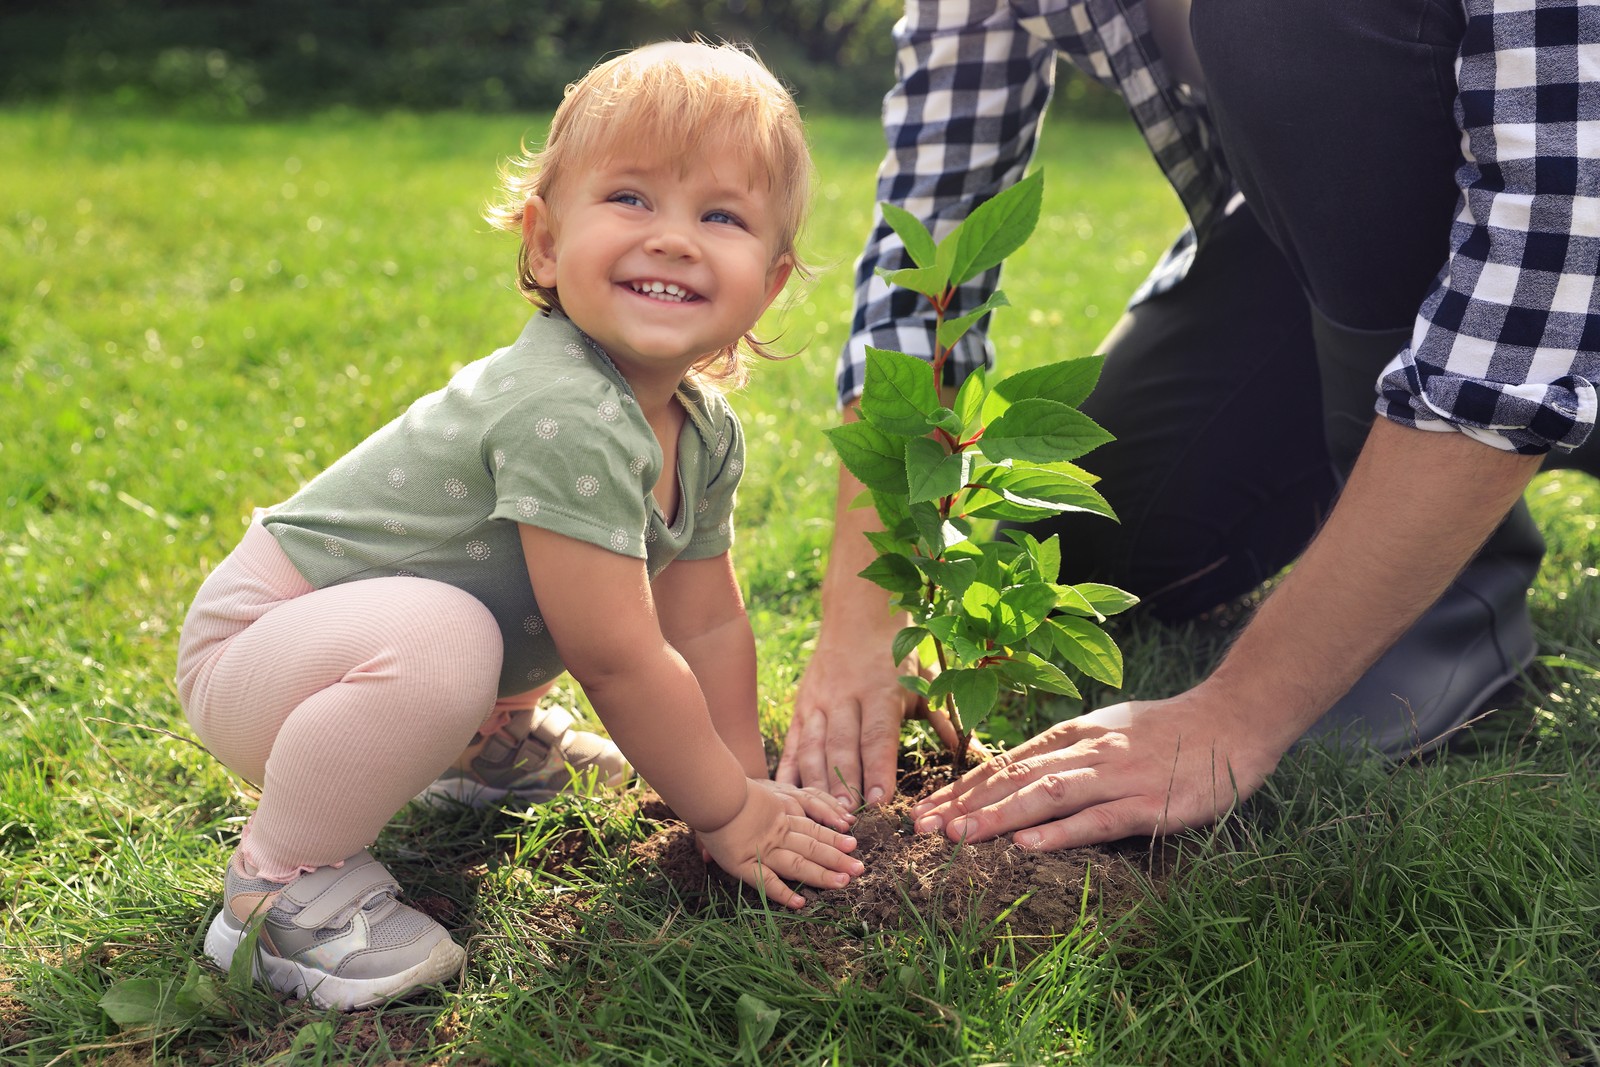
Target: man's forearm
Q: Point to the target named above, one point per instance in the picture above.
(1417, 506)
(849, 600)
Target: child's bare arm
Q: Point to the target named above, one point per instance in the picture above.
(602, 617)
(702, 616)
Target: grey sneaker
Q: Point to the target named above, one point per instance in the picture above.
(336, 935)
(550, 758)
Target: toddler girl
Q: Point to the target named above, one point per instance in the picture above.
(563, 504)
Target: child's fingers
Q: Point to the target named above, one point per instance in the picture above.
(825, 836)
(825, 848)
(769, 881)
(825, 808)
(796, 866)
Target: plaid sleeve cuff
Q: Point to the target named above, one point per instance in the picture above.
(1527, 417)
(1507, 343)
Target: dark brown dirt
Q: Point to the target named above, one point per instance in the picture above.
(1023, 899)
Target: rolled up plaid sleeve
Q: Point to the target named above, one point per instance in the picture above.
(961, 124)
(1506, 346)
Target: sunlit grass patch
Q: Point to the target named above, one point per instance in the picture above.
(196, 318)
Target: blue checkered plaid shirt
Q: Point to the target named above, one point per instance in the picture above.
(1506, 346)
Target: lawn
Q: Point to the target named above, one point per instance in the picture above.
(196, 318)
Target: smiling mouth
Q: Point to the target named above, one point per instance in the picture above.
(666, 292)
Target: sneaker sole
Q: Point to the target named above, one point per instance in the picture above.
(327, 990)
(478, 795)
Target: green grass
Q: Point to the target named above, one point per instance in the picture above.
(196, 318)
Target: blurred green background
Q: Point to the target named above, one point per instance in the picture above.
(237, 58)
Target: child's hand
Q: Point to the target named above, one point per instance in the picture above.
(773, 839)
(821, 806)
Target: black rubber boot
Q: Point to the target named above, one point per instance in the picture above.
(1474, 640)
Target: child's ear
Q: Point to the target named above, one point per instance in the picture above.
(778, 277)
(539, 241)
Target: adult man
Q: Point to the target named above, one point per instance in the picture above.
(1419, 226)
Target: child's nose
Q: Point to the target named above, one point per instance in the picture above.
(671, 238)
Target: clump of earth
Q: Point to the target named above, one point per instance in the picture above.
(1027, 899)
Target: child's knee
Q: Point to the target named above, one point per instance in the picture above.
(455, 645)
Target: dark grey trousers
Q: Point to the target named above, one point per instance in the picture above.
(1241, 397)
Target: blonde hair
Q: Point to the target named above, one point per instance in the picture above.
(671, 100)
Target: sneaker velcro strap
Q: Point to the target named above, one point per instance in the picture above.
(329, 893)
(551, 724)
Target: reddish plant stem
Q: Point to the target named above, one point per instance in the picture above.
(946, 505)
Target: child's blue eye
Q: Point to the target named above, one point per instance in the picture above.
(626, 198)
(724, 218)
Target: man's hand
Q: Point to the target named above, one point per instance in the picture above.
(844, 736)
(1416, 508)
(845, 733)
(1130, 769)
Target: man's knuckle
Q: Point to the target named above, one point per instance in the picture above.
(1056, 786)
(878, 730)
(1014, 774)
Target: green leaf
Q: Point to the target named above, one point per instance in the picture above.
(200, 992)
(1069, 381)
(975, 689)
(997, 228)
(1036, 489)
(979, 601)
(1069, 599)
(907, 640)
(951, 575)
(913, 234)
(898, 395)
(877, 458)
(135, 1002)
(1041, 431)
(915, 682)
(933, 473)
(1088, 648)
(946, 420)
(969, 401)
(1028, 671)
(1045, 555)
(886, 543)
(935, 534)
(242, 970)
(1021, 609)
(757, 1022)
(944, 256)
(950, 330)
(929, 281)
(896, 515)
(994, 405)
(894, 573)
(1103, 600)
(944, 627)
(313, 1037)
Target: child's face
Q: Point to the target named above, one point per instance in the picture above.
(660, 263)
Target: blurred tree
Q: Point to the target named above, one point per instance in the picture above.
(239, 57)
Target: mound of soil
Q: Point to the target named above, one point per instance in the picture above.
(1026, 899)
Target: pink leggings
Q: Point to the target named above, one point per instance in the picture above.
(341, 703)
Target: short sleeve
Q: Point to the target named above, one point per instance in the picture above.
(577, 466)
(724, 466)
